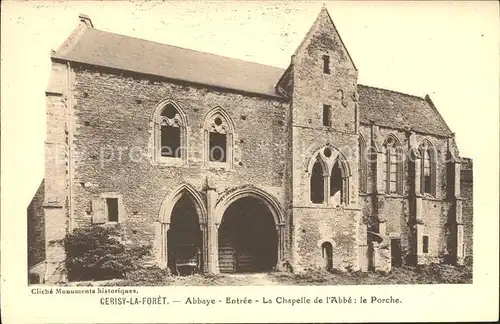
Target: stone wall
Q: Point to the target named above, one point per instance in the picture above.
(113, 141)
(36, 228)
(396, 209)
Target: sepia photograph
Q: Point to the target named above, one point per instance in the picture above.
(165, 161)
(243, 144)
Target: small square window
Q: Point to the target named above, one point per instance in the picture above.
(112, 209)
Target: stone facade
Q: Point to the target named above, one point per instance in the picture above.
(36, 235)
(283, 150)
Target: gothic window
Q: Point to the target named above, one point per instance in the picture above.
(392, 164)
(363, 165)
(317, 183)
(169, 133)
(428, 168)
(339, 185)
(336, 180)
(329, 178)
(219, 134)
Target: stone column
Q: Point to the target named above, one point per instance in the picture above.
(212, 232)
(161, 229)
(417, 173)
(204, 244)
(280, 232)
(380, 172)
(55, 231)
(459, 225)
(382, 227)
(345, 197)
(57, 196)
(326, 188)
(419, 233)
(418, 211)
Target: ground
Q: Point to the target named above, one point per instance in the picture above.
(429, 274)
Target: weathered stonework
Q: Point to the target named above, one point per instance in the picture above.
(466, 186)
(103, 131)
(36, 235)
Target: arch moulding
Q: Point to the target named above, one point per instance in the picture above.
(250, 191)
(171, 199)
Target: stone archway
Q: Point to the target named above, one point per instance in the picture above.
(181, 234)
(250, 231)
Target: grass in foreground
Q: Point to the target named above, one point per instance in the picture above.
(425, 274)
(422, 274)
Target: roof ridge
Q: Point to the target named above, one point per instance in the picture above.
(187, 49)
(394, 91)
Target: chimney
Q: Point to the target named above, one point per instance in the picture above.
(86, 20)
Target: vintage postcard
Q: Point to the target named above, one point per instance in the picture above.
(249, 161)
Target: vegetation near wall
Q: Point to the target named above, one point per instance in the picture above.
(97, 253)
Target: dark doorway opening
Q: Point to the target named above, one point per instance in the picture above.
(327, 254)
(248, 240)
(184, 238)
(396, 253)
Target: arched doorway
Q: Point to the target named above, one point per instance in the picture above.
(184, 238)
(327, 254)
(248, 239)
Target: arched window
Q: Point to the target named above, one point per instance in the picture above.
(317, 183)
(336, 179)
(363, 165)
(169, 133)
(428, 168)
(327, 254)
(392, 165)
(329, 176)
(339, 184)
(219, 134)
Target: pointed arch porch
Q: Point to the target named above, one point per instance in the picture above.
(188, 192)
(262, 196)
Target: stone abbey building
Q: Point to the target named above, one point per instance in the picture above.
(243, 167)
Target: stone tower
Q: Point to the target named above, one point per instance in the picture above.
(321, 82)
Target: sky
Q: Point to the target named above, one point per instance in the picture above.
(448, 50)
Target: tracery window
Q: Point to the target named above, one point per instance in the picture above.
(329, 178)
(428, 168)
(169, 133)
(219, 135)
(392, 166)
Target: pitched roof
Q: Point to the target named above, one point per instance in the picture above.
(105, 49)
(399, 110)
(137, 55)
